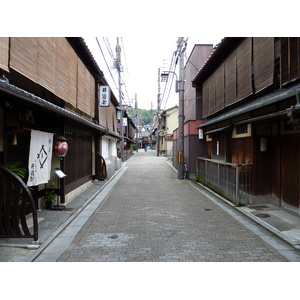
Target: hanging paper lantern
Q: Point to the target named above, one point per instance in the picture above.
(61, 148)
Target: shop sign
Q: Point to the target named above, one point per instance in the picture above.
(104, 97)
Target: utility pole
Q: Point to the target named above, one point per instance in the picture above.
(181, 46)
(118, 66)
(158, 114)
(137, 124)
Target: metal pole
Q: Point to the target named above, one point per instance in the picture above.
(118, 65)
(158, 114)
(137, 125)
(181, 43)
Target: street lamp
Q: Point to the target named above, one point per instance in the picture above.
(165, 76)
(179, 88)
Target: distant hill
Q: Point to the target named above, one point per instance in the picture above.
(144, 114)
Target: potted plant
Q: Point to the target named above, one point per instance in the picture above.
(49, 197)
(16, 167)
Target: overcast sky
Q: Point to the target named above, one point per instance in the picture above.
(141, 57)
(149, 31)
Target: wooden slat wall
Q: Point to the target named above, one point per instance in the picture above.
(4, 44)
(230, 79)
(219, 79)
(289, 59)
(244, 69)
(294, 58)
(23, 56)
(212, 94)
(205, 97)
(284, 60)
(263, 59)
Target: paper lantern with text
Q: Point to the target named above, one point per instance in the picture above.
(61, 148)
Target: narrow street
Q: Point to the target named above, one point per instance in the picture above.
(151, 216)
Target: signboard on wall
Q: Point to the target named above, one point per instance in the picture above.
(104, 96)
(200, 134)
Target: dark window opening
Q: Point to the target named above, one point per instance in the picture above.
(241, 129)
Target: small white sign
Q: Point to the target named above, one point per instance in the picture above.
(200, 134)
(59, 173)
(104, 97)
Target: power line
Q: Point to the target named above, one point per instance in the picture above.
(105, 61)
(125, 58)
(175, 58)
(109, 50)
(108, 47)
(171, 69)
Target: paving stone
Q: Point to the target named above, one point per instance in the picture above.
(152, 216)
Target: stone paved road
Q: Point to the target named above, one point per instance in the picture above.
(152, 216)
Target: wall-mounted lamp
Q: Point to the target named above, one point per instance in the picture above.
(164, 78)
(8, 105)
(14, 139)
(263, 144)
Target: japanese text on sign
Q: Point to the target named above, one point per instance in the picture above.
(104, 99)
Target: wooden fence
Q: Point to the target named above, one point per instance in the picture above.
(233, 181)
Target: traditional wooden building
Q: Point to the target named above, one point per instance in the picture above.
(192, 110)
(249, 90)
(51, 85)
(129, 135)
(169, 121)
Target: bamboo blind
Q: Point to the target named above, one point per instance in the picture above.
(263, 57)
(52, 63)
(92, 95)
(82, 104)
(107, 117)
(86, 90)
(230, 79)
(46, 63)
(23, 56)
(244, 69)
(65, 71)
(4, 44)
